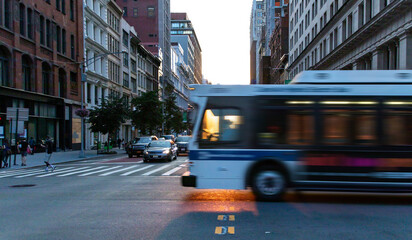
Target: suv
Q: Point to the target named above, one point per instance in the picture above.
(140, 145)
(182, 143)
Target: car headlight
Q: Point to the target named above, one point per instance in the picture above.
(145, 152)
(166, 151)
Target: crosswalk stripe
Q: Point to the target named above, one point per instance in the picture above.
(137, 170)
(55, 173)
(22, 172)
(81, 171)
(120, 170)
(171, 171)
(32, 174)
(156, 170)
(90, 173)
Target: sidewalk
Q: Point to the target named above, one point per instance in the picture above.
(60, 157)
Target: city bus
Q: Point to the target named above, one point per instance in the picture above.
(327, 130)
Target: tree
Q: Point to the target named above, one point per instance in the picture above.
(172, 114)
(147, 113)
(109, 115)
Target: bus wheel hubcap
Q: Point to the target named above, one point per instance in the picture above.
(269, 182)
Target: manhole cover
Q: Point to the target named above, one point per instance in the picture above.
(23, 185)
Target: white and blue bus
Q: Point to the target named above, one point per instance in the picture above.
(328, 130)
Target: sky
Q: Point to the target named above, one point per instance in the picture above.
(222, 28)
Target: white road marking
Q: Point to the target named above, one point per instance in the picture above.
(156, 170)
(137, 170)
(81, 171)
(22, 172)
(120, 170)
(107, 169)
(65, 171)
(171, 171)
(32, 174)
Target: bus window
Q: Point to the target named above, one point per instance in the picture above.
(398, 127)
(349, 127)
(292, 127)
(221, 125)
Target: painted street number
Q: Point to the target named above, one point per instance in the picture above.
(224, 230)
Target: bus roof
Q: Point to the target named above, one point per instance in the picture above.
(354, 77)
(359, 84)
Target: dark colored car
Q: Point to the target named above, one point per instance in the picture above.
(140, 145)
(160, 150)
(182, 143)
(169, 137)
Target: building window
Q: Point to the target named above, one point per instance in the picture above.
(125, 39)
(48, 34)
(72, 10)
(29, 23)
(343, 30)
(46, 78)
(62, 83)
(58, 5)
(150, 11)
(7, 13)
(349, 25)
(74, 88)
(58, 36)
(126, 60)
(72, 46)
(27, 67)
(63, 6)
(360, 15)
(5, 60)
(42, 39)
(63, 41)
(125, 79)
(125, 11)
(134, 12)
(22, 19)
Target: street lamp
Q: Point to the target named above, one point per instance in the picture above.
(84, 65)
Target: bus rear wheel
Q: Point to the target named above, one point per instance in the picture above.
(269, 184)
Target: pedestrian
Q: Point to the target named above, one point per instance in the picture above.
(6, 152)
(32, 144)
(119, 142)
(23, 150)
(49, 151)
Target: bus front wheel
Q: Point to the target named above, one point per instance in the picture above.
(269, 183)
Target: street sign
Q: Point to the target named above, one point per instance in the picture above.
(23, 114)
(20, 126)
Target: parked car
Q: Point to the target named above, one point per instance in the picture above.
(140, 145)
(169, 137)
(160, 150)
(182, 143)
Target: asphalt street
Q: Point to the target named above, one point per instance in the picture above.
(129, 199)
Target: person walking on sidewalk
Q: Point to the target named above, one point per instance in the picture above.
(31, 143)
(23, 150)
(6, 152)
(49, 151)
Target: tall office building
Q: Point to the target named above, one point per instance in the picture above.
(151, 20)
(257, 21)
(182, 26)
(350, 35)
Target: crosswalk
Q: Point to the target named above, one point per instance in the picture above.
(100, 171)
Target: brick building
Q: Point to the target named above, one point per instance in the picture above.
(279, 51)
(41, 43)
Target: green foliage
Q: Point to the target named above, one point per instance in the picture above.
(147, 115)
(173, 115)
(108, 117)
